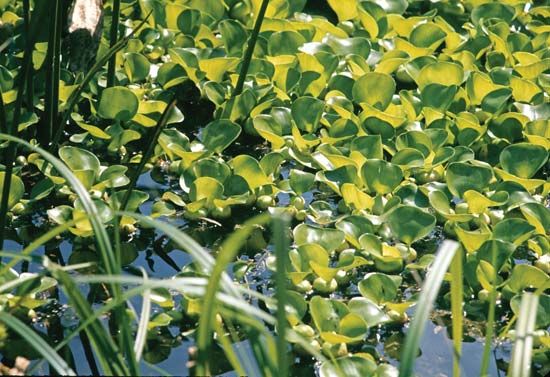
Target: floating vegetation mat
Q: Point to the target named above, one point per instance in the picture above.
(275, 187)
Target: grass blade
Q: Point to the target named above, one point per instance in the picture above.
(107, 353)
(27, 25)
(35, 341)
(428, 294)
(520, 363)
(282, 245)
(227, 252)
(229, 351)
(141, 335)
(457, 297)
(101, 237)
(250, 48)
(490, 319)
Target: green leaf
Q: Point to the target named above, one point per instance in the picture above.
(525, 276)
(409, 224)
(118, 103)
(379, 288)
(461, 177)
(369, 146)
(136, 66)
(381, 176)
(371, 313)
(328, 238)
(349, 366)
(285, 42)
(326, 313)
(307, 112)
(492, 10)
(345, 46)
(443, 73)
(354, 227)
(219, 134)
(537, 215)
(300, 181)
(513, 230)
(189, 21)
(344, 9)
(523, 159)
(375, 89)
(17, 189)
(234, 37)
(249, 168)
(502, 251)
(427, 35)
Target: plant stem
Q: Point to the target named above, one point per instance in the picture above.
(148, 152)
(246, 59)
(52, 75)
(3, 120)
(27, 28)
(125, 338)
(250, 48)
(113, 38)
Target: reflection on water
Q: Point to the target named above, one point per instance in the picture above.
(167, 350)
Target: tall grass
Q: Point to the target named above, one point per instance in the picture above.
(457, 297)
(233, 305)
(520, 363)
(489, 333)
(428, 294)
(280, 227)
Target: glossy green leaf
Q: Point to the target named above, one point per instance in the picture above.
(523, 159)
(375, 89)
(409, 224)
(136, 66)
(328, 238)
(219, 134)
(118, 103)
(461, 177)
(307, 112)
(380, 176)
(379, 288)
(300, 181)
(16, 192)
(285, 42)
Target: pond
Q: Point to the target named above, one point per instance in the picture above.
(272, 187)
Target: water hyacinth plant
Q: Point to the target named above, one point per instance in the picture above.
(275, 187)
